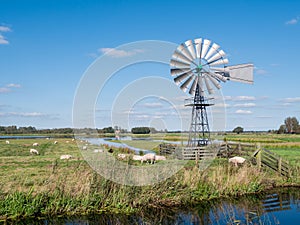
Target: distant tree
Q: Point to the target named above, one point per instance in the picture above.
(282, 129)
(291, 124)
(140, 130)
(238, 130)
(108, 130)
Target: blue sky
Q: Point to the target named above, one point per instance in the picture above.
(46, 46)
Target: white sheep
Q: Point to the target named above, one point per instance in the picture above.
(121, 156)
(137, 157)
(84, 147)
(35, 144)
(55, 142)
(67, 141)
(98, 150)
(34, 151)
(7, 142)
(148, 157)
(66, 156)
(160, 157)
(237, 160)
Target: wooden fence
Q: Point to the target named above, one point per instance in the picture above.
(262, 157)
(266, 158)
(198, 153)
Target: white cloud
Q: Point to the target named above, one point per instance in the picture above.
(241, 111)
(245, 105)
(293, 21)
(239, 98)
(4, 90)
(13, 85)
(4, 29)
(153, 105)
(3, 41)
(23, 114)
(8, 88)
(116, 53)
(221, 105)
(291, 100)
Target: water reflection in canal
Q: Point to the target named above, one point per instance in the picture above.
(276, 207)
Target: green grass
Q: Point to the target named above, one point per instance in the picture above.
(32, 185)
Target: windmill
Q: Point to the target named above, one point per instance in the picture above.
(198, 66)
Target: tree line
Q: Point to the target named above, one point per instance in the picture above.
(290, 126)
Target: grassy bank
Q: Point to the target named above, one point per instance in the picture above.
(36, 185)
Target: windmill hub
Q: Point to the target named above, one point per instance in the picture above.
(198, 66)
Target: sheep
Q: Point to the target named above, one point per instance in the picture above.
(98, 150)
(55, 142)
(160, 157)
(137, 157)
(84, 147)
(66, 156)
(7, 142)
(148, 157)
(35, 144)
(67, 141)
(34, 151)
(121, 156)
(236, 160)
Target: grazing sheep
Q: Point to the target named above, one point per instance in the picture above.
(35, 144)
(137, 157)
(66, 156)
(7, 142)
(84, 147)
(34, 151)
(121, 156)
(160, 157)
(148, 157)
(67, 141)
(55, 142)
(98, 150)
(73, 139)
(237, 160)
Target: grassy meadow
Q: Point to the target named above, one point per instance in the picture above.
(36, 185)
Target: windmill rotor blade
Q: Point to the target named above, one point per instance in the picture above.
(201, 85)
(198, 43)
(218, 62)
(214, 81)
(219, 77)
(181, 77)
(241, 73)
(212, 50)
(176, 63)
(177, 71)
(193, 87)
(182, 49)
(186, 83)
(190, 46)
(218, 55)
(181, 57)
(208, 87)
(205, 47)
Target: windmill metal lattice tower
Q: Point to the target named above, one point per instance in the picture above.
(197, 64)
(199, 134)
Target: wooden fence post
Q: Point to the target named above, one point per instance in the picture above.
(279, 164)
(258, 157)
